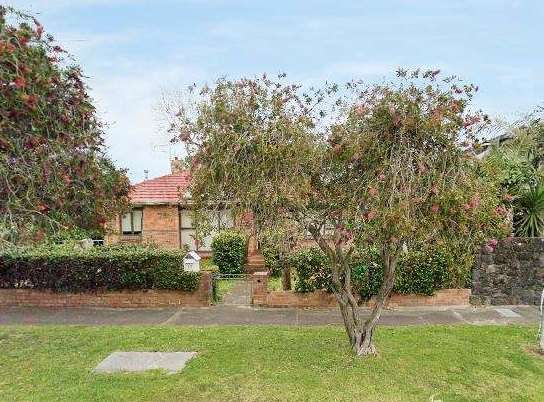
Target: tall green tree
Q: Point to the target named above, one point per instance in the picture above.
(517, 165)
(354, 166)
(54, 173)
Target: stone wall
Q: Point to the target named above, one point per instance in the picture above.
(511, 273)
(261, 296)
(125, 298)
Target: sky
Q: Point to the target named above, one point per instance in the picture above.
(133, 51)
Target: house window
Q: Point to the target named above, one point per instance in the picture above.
(219, 220)
(131, 222)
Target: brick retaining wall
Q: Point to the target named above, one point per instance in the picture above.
(261, 296)
(125, 298)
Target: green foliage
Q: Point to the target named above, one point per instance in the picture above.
(230, 251)
(55, 174)
(310, 265)
(74, 233)
(423, 271)
(368, 273)
(529, 212)
(517, 165)
(272, 259)
(418, 272)
(68, 268)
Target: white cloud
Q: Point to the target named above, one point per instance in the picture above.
(127, 101)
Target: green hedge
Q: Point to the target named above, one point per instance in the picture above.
(66, 268)
(419, 271)
(272, 258)
(310, 266)
(230, 251)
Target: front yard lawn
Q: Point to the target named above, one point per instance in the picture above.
(264, 363)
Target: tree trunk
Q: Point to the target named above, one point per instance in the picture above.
(361, 334)
(286, 277)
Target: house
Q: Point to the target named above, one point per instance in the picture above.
(161, 214)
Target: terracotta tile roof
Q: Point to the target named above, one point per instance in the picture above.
(161, 190)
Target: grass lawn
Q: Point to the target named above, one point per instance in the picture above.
(274, 283)
(457, 363)
(224, 287)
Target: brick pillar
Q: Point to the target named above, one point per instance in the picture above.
(259, 288)
(205, 289)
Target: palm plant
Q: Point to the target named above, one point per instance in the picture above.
(529, 212)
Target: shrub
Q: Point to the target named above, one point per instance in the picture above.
(311, 271)
(65, 268)
(272, 259)
(419, 271)
(368, 274)
(230, 251)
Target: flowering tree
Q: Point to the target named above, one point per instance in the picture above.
(53, 170)
(354, 166)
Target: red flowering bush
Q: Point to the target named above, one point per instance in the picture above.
(53, 170)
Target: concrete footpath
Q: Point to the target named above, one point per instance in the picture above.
(246, 315)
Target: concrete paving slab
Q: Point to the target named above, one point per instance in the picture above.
(83, 316)
(508, 313)
(171, 362)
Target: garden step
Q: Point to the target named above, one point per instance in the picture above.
(255, 264)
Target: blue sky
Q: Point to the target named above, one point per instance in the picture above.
(132, 51)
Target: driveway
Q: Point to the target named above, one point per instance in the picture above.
(246, 315)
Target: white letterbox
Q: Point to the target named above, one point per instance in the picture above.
(191, 262)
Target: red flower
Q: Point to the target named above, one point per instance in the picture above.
(30, 100)
(372, 191)
(23, 40)
(474, 201)
(20, 82)
(43, 207)
(500, 210)
(368, 216)
(39, 30)
(435, 208)
(10, 47)
(360, 109)
(508, 197)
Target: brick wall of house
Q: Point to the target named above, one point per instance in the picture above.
(261, 296)
(126, 298)
(160, 227)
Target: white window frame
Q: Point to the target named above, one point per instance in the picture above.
(132, 231)
(219, 223)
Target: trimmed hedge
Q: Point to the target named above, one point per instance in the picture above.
(419, 271)
(66, 268)
(229, 249)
